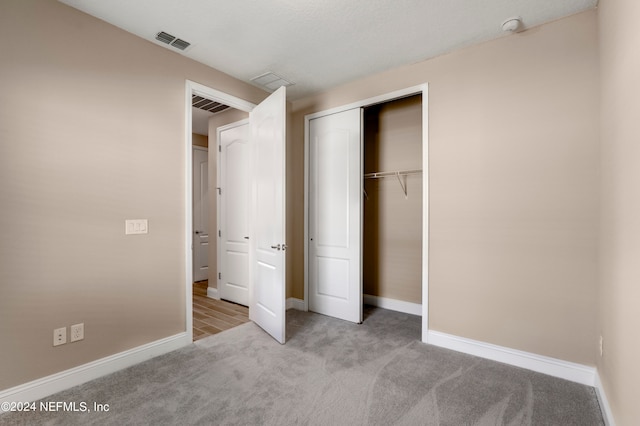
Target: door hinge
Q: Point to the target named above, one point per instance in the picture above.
(219, 190)
(219, 233)
(219, 275)
(219, 148)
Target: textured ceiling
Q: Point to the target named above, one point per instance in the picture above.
(322, 43)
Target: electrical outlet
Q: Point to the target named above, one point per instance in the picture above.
(59, 336)
(77, 332)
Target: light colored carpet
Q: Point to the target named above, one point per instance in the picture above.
(330, 372)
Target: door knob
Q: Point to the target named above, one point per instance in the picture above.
(246, 238)
(276, 247)
(197, 232)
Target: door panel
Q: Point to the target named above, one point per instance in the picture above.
(332, 172)
(235, 184)
(332, 273)
(335, 206)
(267, 304)
(200, 214)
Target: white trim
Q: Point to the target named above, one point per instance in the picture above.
(553, 367)
(49, 385)
(213, 293)
(218, 96)
(191, 87)
(426, 171)
(422, 89)
(393, 304)
(188, 211)
(306, 213)
(607, 414)
(295, 303)
(387, 97)
(292, 302)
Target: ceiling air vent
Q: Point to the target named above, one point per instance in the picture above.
(180, 44)
(271, 81)
(207, 104)
(164, 37)
(172, 40)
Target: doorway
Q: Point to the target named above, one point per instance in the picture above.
(206, 110)
(267, 122)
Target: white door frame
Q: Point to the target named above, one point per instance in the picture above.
(191, 88)
(415, 90)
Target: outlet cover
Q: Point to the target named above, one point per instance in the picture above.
(59, 336)
(77, 332)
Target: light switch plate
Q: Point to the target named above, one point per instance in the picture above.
(136, 226)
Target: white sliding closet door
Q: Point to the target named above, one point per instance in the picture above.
(335, 215)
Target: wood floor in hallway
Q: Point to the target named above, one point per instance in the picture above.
(211, 316)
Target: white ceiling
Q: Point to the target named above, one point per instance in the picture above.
(321, 43)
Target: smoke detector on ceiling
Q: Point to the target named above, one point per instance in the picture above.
(512, 25)
(172, 40)
(270, 81)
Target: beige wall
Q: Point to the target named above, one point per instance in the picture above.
(514, 127)
(513, 148)
(619, 289)
(392, 234)
(64, 257)
(227, 117)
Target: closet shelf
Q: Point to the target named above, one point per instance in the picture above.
(397, 173)
(377, 175)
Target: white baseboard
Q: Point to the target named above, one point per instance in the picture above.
(213, 293)
(49, 385)
(393, 304)
(291, 303)
(607, 414)
(553, 367)
(294, 303)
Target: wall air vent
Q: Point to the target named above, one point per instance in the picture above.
(172, 40)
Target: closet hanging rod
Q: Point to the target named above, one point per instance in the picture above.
(397, 174)
(377, 175)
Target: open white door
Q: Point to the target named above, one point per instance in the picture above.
(234, 181)
(267, 272)
(335, 215)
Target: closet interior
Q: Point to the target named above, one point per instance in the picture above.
(392, 200)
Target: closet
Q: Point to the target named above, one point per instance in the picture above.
(392, 207)
(365, 209)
